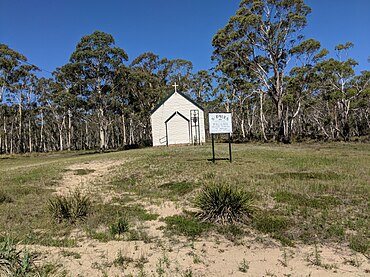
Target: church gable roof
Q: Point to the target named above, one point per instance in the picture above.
(168, 96)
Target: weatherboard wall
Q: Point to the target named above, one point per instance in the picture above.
(178, 128)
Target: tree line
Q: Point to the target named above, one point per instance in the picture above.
(278, 86)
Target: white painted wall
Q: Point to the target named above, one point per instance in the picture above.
(178, 130)
(176, 126)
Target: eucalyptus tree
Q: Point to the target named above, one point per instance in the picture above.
(67, 95)
(43, 118)
(300, 88)
(149, 81)
(336, 78)
(10, 62)
(201, 87)
(361, 104)
(98, 59)
(240, 88)
(22, 94)
(259, 38)
(180, 71)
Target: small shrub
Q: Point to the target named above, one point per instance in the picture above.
(120, 226)
(188, 273)
(71, 208)
(14, 262)
(244, 266)
(59, 208)
(224, 204)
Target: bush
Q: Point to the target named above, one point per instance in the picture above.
(14, 262)
(71, 208)
(224, 204)
(120, 226)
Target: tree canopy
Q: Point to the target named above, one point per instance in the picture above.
(279, 86)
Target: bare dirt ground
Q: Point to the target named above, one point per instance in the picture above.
(214, 255)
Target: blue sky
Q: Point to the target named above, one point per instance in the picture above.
(47, 31)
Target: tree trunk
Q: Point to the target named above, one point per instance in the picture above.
(69, 129)
(124, 129)
(131, 135)
(20, 143)
(60, 127)
(86, 136)
(11, 138)
(102, 137)
(5, 136)
(262, 117)
(29, 136)
(280, 120)
(292, 120)
(242, 126)
(42, 143)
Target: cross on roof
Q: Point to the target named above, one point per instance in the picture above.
(175, 85)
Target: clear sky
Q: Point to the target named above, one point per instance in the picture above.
(47, 31)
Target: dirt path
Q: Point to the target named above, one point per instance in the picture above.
(83, 176)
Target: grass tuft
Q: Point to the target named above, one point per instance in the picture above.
(70, 208)
(224, 204)
(120, 226)
(14, 262)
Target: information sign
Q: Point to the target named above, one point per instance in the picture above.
(220, 123)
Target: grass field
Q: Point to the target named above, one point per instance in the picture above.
(302, 193)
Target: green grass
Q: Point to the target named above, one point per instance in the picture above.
(186, 225)
(179, 188)
(303, 191)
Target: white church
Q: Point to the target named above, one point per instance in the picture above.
(177, 119)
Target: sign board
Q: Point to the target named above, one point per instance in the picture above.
(220, 123)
